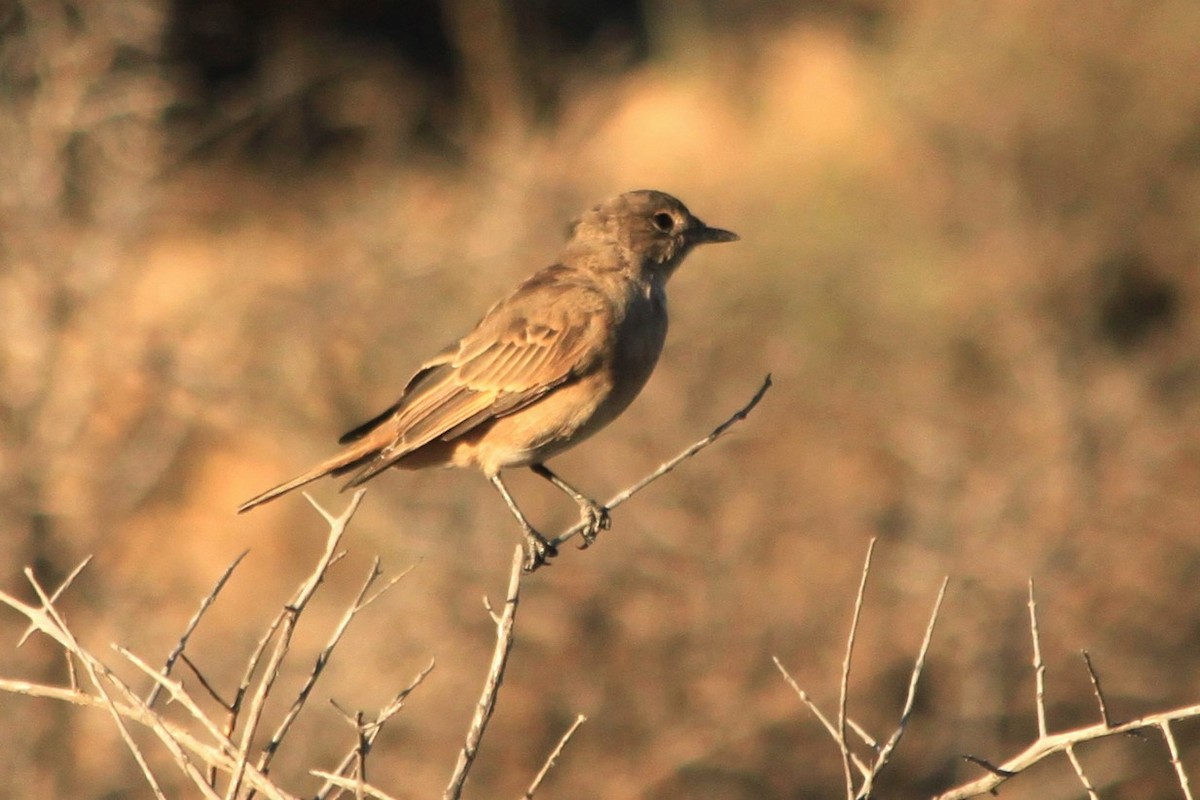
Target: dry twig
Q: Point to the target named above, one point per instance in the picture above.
(1048, 744)
(1057, 743)
(286, 621)
(361, 601)
(1083, 778)
(491, 685)
(57, 593)
(1096, 690)
(186, 749)
(545, 770)
(362, 746)
(837, 732)
(885, 752)
(363, 788)
(667, 466)
(205, 604)
(1173, 748)
(844, 686)
(1039, 666)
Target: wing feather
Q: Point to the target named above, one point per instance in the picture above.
(552, 328)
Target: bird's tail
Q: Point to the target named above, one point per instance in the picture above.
(344, 461)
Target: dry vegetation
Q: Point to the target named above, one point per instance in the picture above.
(970, 239)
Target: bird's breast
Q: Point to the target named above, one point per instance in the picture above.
(639, 342)
(573, 411)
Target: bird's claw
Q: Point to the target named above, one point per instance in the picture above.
(595, 518)
(539, 552)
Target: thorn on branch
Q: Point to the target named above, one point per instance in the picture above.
(1095, 679)
(989, 766)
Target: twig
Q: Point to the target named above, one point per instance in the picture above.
(57, 593)
(830, 728)
(866, 738)
(1056, 743)
(289, 616)
(372, 731)
(491, 685)
(363, 787)
(205, 684)
(1039, 667)
(205, 784)
(361, 601)
(205, 604)
(72, 676)
(126, 705)
(181, 696)
(131, 709)
(989, 766)
(1165, 727)
(1095, 679)
(668, 466)
(885, 752)
(1083, 778)
(844, 689)
(51, 622)
(541, 776)
(357, 722)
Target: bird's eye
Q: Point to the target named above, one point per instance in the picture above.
(664, 221)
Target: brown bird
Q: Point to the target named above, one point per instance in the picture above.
(549, 365)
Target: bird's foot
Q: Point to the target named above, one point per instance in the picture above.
(539, 550)
(595, 518)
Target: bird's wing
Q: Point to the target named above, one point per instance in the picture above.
(540, 336)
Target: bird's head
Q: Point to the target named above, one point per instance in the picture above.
(652, 231)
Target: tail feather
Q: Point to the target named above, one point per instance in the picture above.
(336, 465)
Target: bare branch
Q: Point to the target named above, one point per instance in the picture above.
(133, 710)
(371, 732)
(1039, 667)
(830, 728)
(844, 689)
(668, 466)
(205, 604)
(180, 695)
(125, 706)
(1056, 743)
(352, 784)
(1083, 778)
(288, 617)
(541, 776)
(62, 587)
(204, 682)
(361, 601)
(1184, 785)
(885, 752)
(989, 766)
(49, 619)
(1095, 679)
(491, 685)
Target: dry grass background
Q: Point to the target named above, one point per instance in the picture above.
(970, 240)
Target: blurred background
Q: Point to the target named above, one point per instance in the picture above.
(229, 231)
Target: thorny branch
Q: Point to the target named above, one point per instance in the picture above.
(667, 466)
(491, 684)
(837, 731)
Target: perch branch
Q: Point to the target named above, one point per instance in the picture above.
(668, 466)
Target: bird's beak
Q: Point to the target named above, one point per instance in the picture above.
(707, 235)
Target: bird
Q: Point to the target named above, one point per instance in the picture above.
(551, 363)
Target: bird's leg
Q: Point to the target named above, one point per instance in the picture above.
(594, 516)
(540, 549)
